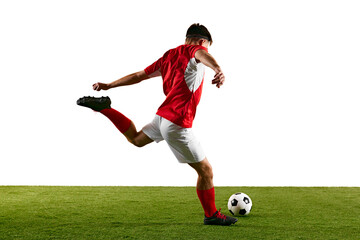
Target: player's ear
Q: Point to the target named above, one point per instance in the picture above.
(204, 43)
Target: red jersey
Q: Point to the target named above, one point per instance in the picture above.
(182, 83)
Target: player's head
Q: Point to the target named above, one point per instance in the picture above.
(198, 32)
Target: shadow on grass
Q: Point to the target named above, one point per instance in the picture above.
(166, 224)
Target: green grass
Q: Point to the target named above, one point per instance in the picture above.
(175, 213)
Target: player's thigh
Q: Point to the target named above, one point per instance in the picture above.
(182, 142)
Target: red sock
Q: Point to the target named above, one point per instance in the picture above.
(207, 199)
(118, 119)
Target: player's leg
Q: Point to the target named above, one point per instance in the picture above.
(205, 174)
(122, 123)
(205, 186)
(139, 139)
(187, 149)
(206, 193)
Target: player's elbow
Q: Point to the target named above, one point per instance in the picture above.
(140, 76)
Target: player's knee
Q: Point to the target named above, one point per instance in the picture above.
(139, 144)
(210, 173)
(206, 172)
(136, 142)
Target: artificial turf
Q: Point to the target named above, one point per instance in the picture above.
(42, 212)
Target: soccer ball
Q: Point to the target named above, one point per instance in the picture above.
(239, 204)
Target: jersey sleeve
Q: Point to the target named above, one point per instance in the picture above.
(195, 48)
(153, 68)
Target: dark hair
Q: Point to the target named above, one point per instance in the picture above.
(198, 31)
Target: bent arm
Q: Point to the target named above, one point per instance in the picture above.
(209, 61)
(127, 80)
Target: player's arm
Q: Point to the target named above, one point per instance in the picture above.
(127, 80)
(209, 61)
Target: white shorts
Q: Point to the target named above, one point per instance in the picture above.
(182, 142)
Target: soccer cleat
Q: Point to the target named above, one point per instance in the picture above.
(96, 104)
(219, 219)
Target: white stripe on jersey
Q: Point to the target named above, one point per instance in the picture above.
(194, 74)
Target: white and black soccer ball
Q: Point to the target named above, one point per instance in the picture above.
(239, 204)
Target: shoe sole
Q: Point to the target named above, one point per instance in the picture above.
(96, 104)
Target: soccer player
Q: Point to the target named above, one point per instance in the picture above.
(182, 71)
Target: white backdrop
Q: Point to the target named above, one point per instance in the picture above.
(288, 114)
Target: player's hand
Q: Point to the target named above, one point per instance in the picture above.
(219, 79)
(100, 86)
